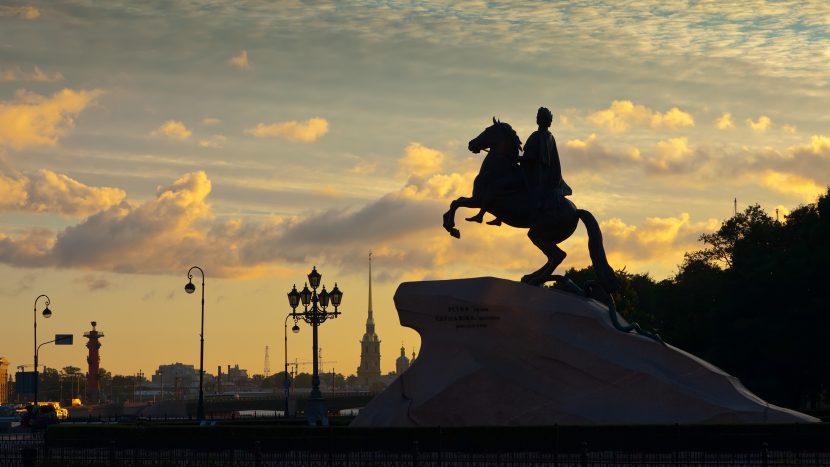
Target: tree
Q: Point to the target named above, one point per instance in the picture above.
(722, 243)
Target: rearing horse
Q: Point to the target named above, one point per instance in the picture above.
(500, 190)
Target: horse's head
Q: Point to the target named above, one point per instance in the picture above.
(499, 136)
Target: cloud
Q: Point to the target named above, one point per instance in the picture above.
(665, 239)
(306, 132)
(24, 284)
(622, 115)
(240, 61)
(173, 129)
(364, 168)
(724, 122)
(214, 142)
(819, 146)
(47, 191)
(762, 124)
(93, 283)
(673, 155)
(25, 12)
(420, 160)
(37, 75)
(666, 157)
(211, 121)
(588, 154)
(167, 233)
(789, 129)
(792, 184)
(125, 237)
(32, 120)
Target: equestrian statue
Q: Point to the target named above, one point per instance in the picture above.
(528, 192)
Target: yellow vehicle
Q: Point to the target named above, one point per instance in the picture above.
(62, 413)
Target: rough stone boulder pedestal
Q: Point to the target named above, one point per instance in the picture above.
(498, 352)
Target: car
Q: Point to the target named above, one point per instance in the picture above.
(61, 412)
(9, 418)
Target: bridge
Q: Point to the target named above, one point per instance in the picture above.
(335, 401)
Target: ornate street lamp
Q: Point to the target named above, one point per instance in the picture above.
(47, 313)
(315, 315)
(286, 384)
(190, 288)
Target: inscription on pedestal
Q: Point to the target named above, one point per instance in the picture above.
(467, 317)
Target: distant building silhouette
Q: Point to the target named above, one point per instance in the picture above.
(4, 381)
(177, 379)
(93, 383)
(368, 373)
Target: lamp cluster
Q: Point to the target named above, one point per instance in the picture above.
(319, 302)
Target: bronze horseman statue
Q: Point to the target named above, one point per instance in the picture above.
(529, 192)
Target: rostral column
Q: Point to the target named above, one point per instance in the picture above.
(93, 384)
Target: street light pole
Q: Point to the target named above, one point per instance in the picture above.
(315, 316)
(190, 288)
(46, 314)
(286, 383)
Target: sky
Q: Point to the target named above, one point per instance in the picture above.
(259, 139)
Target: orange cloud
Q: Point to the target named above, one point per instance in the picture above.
(25, 12)
(306, 132)
(173, 129)
(47, 191)
(792, 184)
(819, 146)
(31, 119)
(214, 142)
(420, 160)
(240, 61)
(762, 124)
(659, 240)
(363, 168)
(724, 122)
(622, 115)
(37, 75)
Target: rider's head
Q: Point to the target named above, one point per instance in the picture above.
(544, 117)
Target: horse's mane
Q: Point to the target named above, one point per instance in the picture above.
(504, 126)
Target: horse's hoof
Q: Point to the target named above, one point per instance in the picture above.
(455, 233)
(475, 219)
(495, 222)
(527, 279)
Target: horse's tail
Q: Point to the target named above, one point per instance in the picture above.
(604, 272)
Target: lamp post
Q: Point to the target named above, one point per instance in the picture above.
(46, 314)
(286, 384)
(316, 315)
(190, 288)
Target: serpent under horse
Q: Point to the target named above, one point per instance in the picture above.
(496, 191)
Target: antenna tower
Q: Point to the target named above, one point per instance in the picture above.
(267, 369)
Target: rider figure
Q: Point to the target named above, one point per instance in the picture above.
(541, 164)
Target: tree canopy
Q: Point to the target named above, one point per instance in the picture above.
(752, 301)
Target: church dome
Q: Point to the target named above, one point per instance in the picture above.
(402, 362)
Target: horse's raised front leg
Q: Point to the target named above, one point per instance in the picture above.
(554, 254)
(477, 218)
(449, 216)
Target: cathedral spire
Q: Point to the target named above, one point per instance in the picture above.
(368, 373)
(370, 321)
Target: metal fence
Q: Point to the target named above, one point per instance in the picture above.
(300, 447)
(31, 452)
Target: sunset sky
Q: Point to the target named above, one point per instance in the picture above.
(256, 140)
